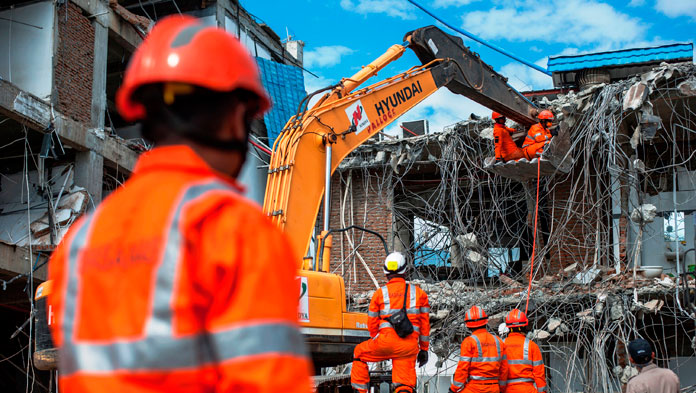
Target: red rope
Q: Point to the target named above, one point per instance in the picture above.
(536, 216)
(260, 147)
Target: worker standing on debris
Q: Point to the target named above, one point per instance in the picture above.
(482, 366)
(505, 147)
(651, 379)
(539, 135)
(399, 324)
(171, 285)
(526, 372)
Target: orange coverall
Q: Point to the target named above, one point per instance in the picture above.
(176, 283)
(505, 147)
(537, 138)
(526, 368)
(385, 344)
(482, 365)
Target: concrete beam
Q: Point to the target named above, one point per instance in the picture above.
(101, 47)
(36, 114)
(15, 260)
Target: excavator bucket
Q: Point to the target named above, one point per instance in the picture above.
(555, 159)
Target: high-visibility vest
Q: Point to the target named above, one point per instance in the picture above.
(525, 362)
(176, 283)
(389, 299)
(482, 360)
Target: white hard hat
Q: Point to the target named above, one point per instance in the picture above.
(395, 263)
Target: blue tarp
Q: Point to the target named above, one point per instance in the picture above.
(285, 85)
(683, 51)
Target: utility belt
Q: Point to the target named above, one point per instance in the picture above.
(519, 380)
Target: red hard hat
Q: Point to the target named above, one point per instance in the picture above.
(496, 116)
(181, 49)
(545, 115)
(475, 317)
(516, 318)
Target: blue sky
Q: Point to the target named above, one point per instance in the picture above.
(342, 35)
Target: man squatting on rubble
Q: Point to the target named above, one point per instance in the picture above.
(651, 379)
(482, 366)
(538, 136)
(385, 342)
(170, 284)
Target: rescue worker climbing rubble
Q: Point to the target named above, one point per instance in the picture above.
(505, 147)
(482, 366)
(385, 343)
(170, 285)
(539, 135)
(526, 372)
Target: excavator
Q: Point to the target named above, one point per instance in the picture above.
(315, 141)
(312, 145)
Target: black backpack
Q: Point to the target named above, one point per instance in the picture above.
(400, 322)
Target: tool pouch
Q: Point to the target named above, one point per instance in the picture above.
(400, 322)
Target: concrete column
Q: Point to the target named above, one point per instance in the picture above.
(89, 172)
(101, 46)
(402, 229)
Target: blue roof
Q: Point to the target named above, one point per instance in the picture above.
(285, 85)
(622, 57)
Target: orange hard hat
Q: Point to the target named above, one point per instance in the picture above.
(516, 318)
(496, 116)
(475, 317)
(545, 115)
(181, 49)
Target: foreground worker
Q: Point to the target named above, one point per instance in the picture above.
(482, 366)
(539, 135)
(651, 379)
(170, 285)
(385, 343)
(526, 372)
(505, 147)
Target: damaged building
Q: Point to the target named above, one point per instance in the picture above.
(64, 146)
(614, 249)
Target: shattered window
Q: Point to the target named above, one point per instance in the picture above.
(500, 259)
(432, 243)
(674, 227)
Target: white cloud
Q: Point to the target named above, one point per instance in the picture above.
(325, 56)
(313, 84)
(441, 109)
(579, 22)
(396, 8)
(675, 8)
(450, 3)
(525, 78)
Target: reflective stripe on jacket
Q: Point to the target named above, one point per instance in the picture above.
(482, 360)
(388, 300)
(536, 134)
(525, 362)
(170, 285)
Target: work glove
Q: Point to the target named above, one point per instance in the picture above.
(422, 358)
(554, 131)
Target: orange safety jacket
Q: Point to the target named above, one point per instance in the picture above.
(505, 147)
(176, 283)
(537, 137)
(388, 300)
(526, 368)
(482, 365)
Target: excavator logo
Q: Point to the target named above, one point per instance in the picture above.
(357, 117)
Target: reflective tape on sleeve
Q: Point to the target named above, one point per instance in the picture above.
(541, 389)
(425, 310)
(538, 363)
(373, 314)
(425, 339)
(361, 386)
(456, 383)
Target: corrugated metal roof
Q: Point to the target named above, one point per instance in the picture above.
(285, 85)
(621, 57)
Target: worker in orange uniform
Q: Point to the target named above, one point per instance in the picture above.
(526, 368)
(170, 285)
(386, 343)
(505, 147)
(539, 135)
(482, 366)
